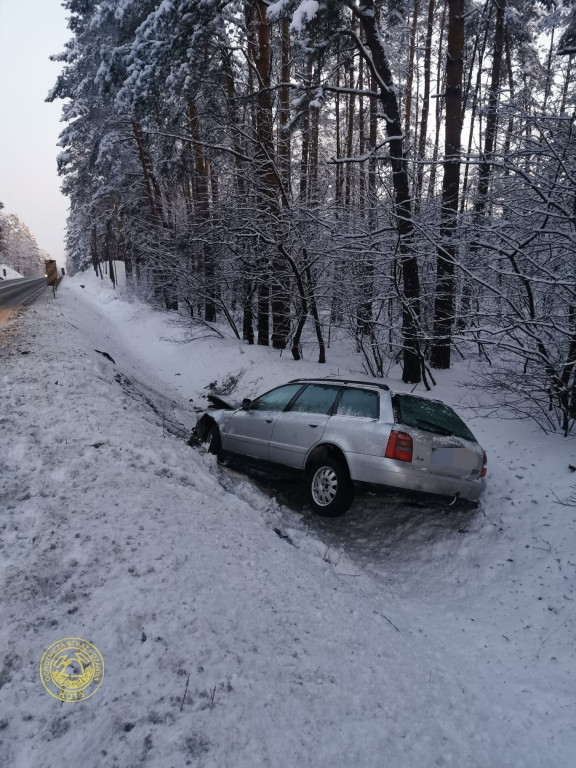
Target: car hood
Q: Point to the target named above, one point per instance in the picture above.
(223, 403)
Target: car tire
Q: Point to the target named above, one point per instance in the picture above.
(214, 441)
(330, 490)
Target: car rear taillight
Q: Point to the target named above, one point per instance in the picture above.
(399, 446)
(484, 468)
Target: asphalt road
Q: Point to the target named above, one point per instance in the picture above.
(14, 293)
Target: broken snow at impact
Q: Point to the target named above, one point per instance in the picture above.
(400, 635)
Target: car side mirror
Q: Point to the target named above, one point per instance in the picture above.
(246, 403)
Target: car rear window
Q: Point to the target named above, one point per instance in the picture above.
(431, 416)
(359, 402)
(316, 398)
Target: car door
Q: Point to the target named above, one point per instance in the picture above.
(355, 426)
(248, 431)
(302, 425)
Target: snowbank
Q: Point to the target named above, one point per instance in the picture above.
(7, 273)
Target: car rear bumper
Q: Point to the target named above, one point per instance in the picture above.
(377, 470)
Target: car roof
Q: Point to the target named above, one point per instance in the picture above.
(330, 380)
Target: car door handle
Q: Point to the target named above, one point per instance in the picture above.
(268, 421)
(313, 425)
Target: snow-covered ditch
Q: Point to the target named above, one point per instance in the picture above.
(398, 635)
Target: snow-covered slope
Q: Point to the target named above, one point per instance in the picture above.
(398, 635)
(7, 273)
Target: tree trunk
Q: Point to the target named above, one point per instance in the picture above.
(108, 251)
(314, 140)
(378, 62)
(339, 168)
(263, 303)
(154, 203)
(351, 102)
(410, 76)
(94, 250)
(425, 101)
(492, 111)
(316, 318)
(444, 298)
(202, 199)
(484, 170)
(361, 142)
(438, 110)
(567, 83)
(284, 111)
(549, 72)
(305, 143)
(163, 287)
(474, 107)
(511, 97)
(269, 187)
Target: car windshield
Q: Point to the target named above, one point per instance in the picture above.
(431, 416)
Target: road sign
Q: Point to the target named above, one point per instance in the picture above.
(51, 272)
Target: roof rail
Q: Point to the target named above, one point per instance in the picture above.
(329, 380)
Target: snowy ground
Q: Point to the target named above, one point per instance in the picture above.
(399, 635)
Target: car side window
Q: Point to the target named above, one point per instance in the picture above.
(359, 402)
(275, 400)
(316, 398)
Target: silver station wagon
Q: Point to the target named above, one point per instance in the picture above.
(338, 434)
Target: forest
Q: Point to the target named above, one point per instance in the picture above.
(400, 172)
(18, 246)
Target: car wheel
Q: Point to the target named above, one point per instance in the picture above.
(214, 441)
(330, 490)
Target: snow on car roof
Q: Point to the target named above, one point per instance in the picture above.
(330, 380)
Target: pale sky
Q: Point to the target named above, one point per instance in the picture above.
(31, 30)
